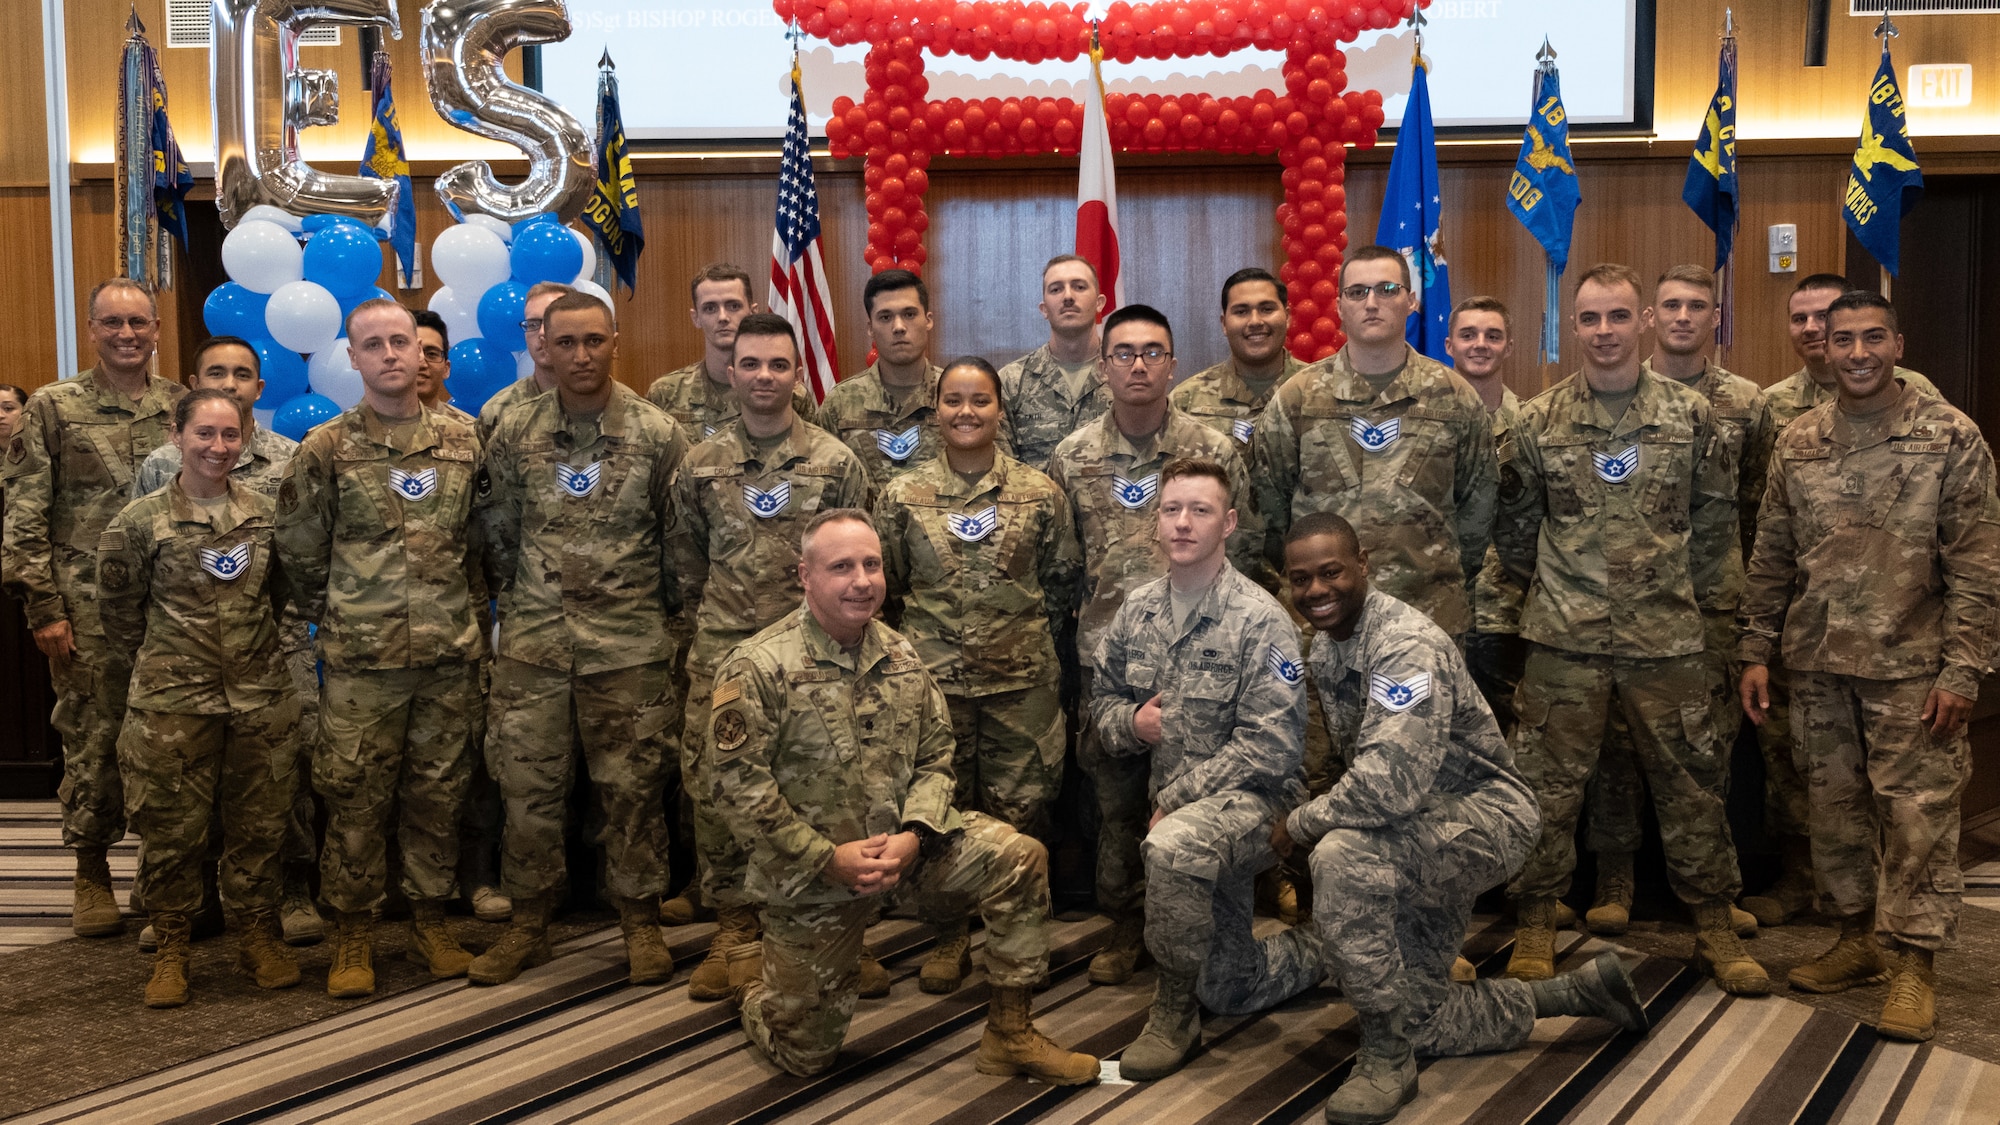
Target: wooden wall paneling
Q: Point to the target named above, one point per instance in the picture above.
(27, 293)
(24, 152)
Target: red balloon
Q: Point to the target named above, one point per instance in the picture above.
(1281, 29)
(836, 133)
(879, 263)
(895, 218)
(954, 135)
(1170, 112)
(1313, 235)
(994, 136)
(837, 12)
(1010, 115)
(892, 190)
(1030, 131)
(1064, 132)
(1023, 30)
(1312, 211)
(1304, 309)
(1136, 113)
(898, 72)
(1324, 291)
(899, 141)
(1275, 135)
(900, 117)
(875, 133)
(1156, 132)
(908, 240)
(1318, 91)
(873, 202)
(1228, 122)
(920, 221)
(915, 259)
(1336, 199)
(1047, 113)
(1328, 255)
(1285, 272)
(878, 234)
(1310, 147)
(1296, 124)
(1226, 21)
(1190, 126)
(1325, 329)
(873, 175)
(975, 117)
(916, 183)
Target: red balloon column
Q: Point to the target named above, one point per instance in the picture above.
(897, 128)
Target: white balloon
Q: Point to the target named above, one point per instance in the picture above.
(332, 373)
(589, 256)
(264, 417)
(260, 256)
(461, 318)
(497, 226)
(470, 259)
(597, 291)
(266, 213)
(524, 365)
(303, 316)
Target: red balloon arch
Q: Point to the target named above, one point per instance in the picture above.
(898, 128)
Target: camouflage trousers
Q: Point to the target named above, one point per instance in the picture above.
(1123, 807)
(538, 718)
(485, 818)
(1392, 904)
(1009, 753)
(301, 846)
(89, 710)
(797, 1015)
(1495, 661)
(393, 757)
(191, 779)
(1564, 704)
(1202, 863)
(1787, 806)
(1885, 803)
(720, 861)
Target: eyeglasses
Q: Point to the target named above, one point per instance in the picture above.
(116, 323)
(532, 324)
(1125, 357)
(434, 355)
(1382, 289)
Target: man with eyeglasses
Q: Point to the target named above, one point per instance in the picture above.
(543, 378)
(434, 363)
(699, 395)
(1110, 470)
(66, 473)
(1389, 440)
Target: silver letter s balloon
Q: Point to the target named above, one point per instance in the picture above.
(260, 106)
(464, 43)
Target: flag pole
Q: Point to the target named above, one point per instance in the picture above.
(1725, 282)
(605, 77)
(1885, 31)
(1552, 293)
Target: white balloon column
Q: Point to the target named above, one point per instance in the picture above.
(487, 268)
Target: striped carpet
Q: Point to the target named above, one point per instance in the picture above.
(37, 874)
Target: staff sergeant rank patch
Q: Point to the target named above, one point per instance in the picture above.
(1243, 429)
(1615, 468)
(1375, 439)
(413, 486)
(1135, 494)
(898, 447)
(227, 565)
(579, 483)
(976, 526)
(1399, 695)
(1290, 671)
(763, 504)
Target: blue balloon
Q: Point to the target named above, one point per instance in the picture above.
(313, 224)
(545, 252)
(353, 301)
(544, 217)
(235, 310)
(284, 371)
(344, 258)
(500, 313)
(480, 369)
(301, 413)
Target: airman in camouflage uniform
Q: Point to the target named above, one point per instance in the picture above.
(1217, 666)
(537, 382)
(1877, 566)
(829, 759)
(1430, 813)
(575, 517)
(374, 528)
(187, 591)
(887, 412)
(66, 473)
(704, 405)
(1221, 399)
(1479, 341)
(1057, 389)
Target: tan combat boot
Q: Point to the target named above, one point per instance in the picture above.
(948, 964)
(686, 908)
(645, 951)
(432, 942)
(1565, 916)
(746, 967)
(1534, 956)
(1720, 953)
(1611, 911)
(94, 912)
(1012, 1046)
(736, 925)
(1856, 959)
(262, 954)
(298, 917)
(874, 977)
(1123, 952)
(1792, 894)
(352, 974)
(524, 945)
(1463, 971)
(1172, 1032)
(1384, 1077)
(1910, 1012)
(169, 986)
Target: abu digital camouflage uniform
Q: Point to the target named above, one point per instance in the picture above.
(574, 517)
(1113, 485)
(703, 405)
(66, 473)
(740, 508)
(189, 600)
(981, 576)
(1430, 813)
(1039, 410)
(375, 532)
(892, 432)
(1620, 530)
(1232, 697)
(1494, 650)
(1412, 468)
(1223, 401)
(1878, 565)
(812, 747)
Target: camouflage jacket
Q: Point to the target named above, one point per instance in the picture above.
(520, 390)
(379, 541)
(260, 467)
(1040, 413)
(812, 747)
(738, 518)
(981, 577)
(889, 441)
(1231, 688)
(1496, 596)
(1797, 393)
(66, 473)
(1744, 434)
(190, 603)
(1218, 398)
(1404, 715)
(574, 515)
(703, 406)
(1879, 560)
(1411, 468)
(1113, 485)
(1617, 530)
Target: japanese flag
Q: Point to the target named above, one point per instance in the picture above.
(1097, 193)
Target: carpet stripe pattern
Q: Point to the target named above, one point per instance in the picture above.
(37, 874)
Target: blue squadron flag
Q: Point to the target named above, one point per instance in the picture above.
(613, 210)
(383, 158)
(1885, 182)
(1711, 177)
(1412, 216)
(152, 176)
(171, 178)
(1543, 192)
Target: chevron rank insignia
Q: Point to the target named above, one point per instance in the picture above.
(1290, 671)
(976, 526)
(414, 486)
(1616, 468)
(1243, 429)
(227, 565)
(707, 431)
(763, 504)
(1373, 438)
(1135, 494)
(579, 482)
(1399, 695)
(898, 447)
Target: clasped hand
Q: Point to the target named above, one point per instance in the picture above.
(874, 865)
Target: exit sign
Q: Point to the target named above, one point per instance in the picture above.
(1939, 85)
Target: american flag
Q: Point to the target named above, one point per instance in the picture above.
(800, 291)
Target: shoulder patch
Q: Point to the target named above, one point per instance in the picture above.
(288, 497)
(17, 450)
(114, 576)
(726, 692)
(729, 729)
(113, 539)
